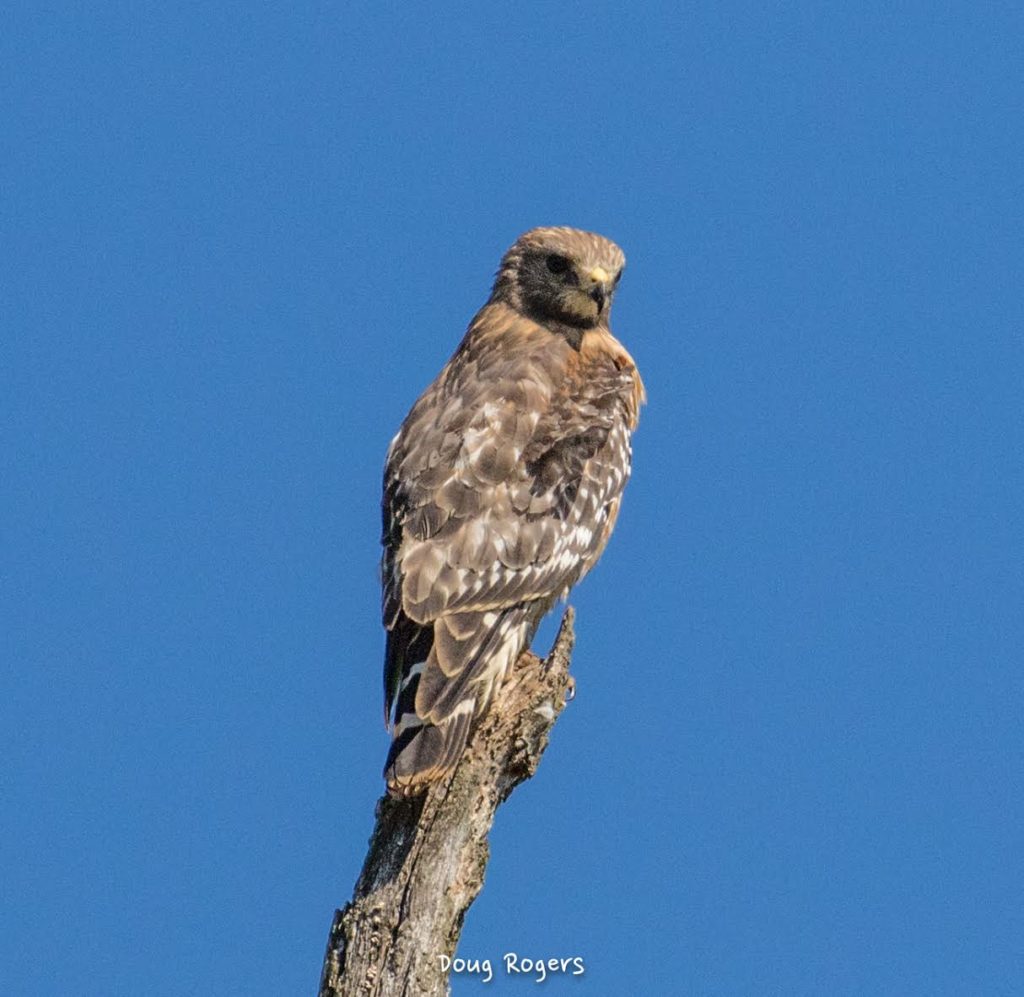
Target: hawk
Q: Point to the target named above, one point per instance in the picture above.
(501, 490)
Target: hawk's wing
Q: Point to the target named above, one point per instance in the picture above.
(500, 489)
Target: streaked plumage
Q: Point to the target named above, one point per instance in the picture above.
(501, 490)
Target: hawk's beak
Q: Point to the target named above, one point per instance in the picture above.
(599, 292)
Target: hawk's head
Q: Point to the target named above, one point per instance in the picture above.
(561, 275)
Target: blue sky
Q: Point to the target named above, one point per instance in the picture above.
(238, 240)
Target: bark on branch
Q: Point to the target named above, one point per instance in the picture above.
(428, 855)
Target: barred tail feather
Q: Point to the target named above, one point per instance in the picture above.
(424, 753)
(438, 700)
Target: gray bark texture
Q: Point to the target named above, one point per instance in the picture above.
(427, 855)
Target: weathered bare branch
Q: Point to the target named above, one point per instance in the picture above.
(427, 855)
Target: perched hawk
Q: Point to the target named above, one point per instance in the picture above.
(501, 490)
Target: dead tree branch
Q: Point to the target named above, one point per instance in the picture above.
(428, 855)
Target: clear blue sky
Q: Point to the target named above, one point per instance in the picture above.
(238, 240)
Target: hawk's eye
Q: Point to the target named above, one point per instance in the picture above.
(557, 264)
(618, 277)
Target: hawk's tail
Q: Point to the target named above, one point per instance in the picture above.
(424, 753)
(439, 698)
